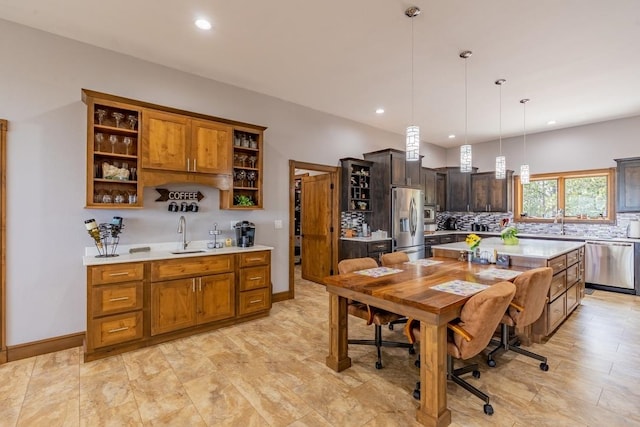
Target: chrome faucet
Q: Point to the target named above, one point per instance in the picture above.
(561, 215)
(182, 229)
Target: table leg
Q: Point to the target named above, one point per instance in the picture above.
(433, 409)
(338, 358)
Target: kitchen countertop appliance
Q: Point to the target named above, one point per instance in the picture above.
(245, 234)
(609, 265)
(407, 221)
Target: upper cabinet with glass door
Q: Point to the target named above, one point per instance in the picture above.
(112, 154)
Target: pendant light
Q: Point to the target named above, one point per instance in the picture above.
(501, 163)
(465, 150)
(524, 168)
(413, 131)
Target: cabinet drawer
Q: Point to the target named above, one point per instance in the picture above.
(573, 274)
(557, 312)
(431, 241)
(117, 329)
(116, 298)
(558, 263)
(255, 258)
(447, 239)
(558, 285)
(573, 297)
(186, 267)
(252, 301)
(254, 278)
(384, 246)
(573, 257)
(116, 273)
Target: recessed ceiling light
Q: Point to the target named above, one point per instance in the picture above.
(452, 136)
(203, 24)
(551, 122)
(379, 110)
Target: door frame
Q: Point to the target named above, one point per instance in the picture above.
(335, 178)
(3, 247)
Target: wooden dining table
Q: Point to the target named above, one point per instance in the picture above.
(409, 292)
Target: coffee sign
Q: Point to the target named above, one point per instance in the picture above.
(178, 195)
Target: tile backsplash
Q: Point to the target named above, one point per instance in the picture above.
(353, 221)
(492, 221)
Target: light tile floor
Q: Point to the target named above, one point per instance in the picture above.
(271, 372)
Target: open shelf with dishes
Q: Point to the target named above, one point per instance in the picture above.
(246, 192)
(356, 178)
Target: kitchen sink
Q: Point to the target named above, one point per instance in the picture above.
(193, 251)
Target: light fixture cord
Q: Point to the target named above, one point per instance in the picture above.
(500, 121)
(412, 60)
(466, 109)
(524, 130)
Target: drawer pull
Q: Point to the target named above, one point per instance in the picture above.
(123, 273)
(255, 278)
(255, 301)
(254, 259)
(112, 331)
(118, 299)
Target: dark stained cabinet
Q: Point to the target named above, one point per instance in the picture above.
(441, 191)
(359, 249)
(489, 194)
(628, 179)
(458, 189)
(429, 186)
(356, 185)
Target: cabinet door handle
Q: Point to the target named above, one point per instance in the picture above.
(199, 284)
(255, 301)
(118, 299)
(123, 273)
(193, 285)
(255, 278)
(113, 331)
(188, 160)
(195, 167)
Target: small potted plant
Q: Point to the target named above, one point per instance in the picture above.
(508, 235)
(242, 200)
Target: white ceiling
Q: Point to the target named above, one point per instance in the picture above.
(578, 60)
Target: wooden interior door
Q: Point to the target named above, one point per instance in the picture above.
(3, 228)
(316, 226)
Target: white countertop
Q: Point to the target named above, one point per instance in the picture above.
(539, 236)
(364, 239)
(162, 251)
(532, 248)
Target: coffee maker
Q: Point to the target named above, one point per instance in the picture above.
(245, 234)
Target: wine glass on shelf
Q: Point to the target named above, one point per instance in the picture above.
(132, 119)
(240, 176)
(99, 140)
(252, 161)
(117, 117)
(251, 177)
(102, 113)
(127, 141)
(113, 140)
(242, 158)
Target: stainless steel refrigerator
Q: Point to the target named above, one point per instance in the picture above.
(407, 224)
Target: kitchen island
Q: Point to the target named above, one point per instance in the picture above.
(567, 285)
(144, 298)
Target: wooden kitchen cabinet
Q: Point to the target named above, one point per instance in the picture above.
(173, 142)
(255, 282)
(489, 194)
(428, 182)
(628, 184)
(356, 185)
(458, 189)
(112, 153)
(441, 192)
(359, 249)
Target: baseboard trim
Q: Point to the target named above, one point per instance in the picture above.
(3, 356)
(281, 296)
(49, 345)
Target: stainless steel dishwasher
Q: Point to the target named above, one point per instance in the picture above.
(609, 263)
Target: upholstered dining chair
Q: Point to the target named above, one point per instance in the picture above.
(391, 258)
(532, 288)
(373, 315)
(470, 334)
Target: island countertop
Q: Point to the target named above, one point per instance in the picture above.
(529, 248)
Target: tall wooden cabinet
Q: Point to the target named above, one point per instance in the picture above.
(458, 189)
(112, 153)
(357, 186)
(628, 182)
(428, 182)
(246, 192)
(489, 194)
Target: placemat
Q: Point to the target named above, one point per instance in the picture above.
(378, 271)
(498, 273)
(460, 287)
(425, 262)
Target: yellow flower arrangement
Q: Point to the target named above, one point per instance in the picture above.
(473, 241)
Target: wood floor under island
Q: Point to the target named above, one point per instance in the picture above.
(567, 285)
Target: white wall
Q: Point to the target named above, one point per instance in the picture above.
(40, 85)
(592, 146)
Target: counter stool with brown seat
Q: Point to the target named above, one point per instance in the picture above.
(372, 315)
(470, 334)
(532, 288)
